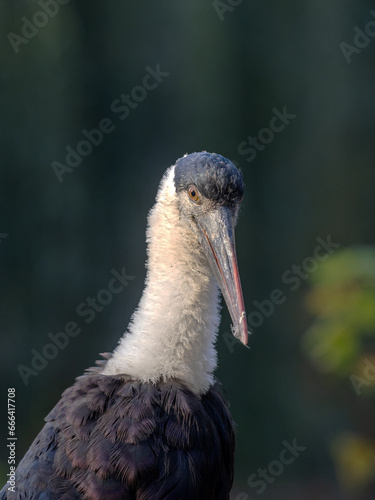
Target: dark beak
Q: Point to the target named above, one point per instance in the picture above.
(217, 239)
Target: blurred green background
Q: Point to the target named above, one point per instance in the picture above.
(309, 374)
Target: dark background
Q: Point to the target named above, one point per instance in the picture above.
(228, 70)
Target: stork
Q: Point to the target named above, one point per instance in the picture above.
(149, 421)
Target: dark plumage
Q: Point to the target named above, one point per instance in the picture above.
(114, 438)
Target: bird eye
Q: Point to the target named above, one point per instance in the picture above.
(193, 193)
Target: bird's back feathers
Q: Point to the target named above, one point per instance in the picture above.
(114, 438)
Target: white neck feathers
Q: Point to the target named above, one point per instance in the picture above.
(173, 331)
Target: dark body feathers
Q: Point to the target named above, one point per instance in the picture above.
(112, 438)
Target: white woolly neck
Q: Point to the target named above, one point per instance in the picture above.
(173, 330)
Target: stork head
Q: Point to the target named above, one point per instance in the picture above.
(209, 191)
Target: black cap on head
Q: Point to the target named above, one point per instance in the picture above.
(215, 176)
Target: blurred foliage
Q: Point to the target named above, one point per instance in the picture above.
(343, 299)
(341, 343)
(354, 458)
